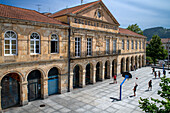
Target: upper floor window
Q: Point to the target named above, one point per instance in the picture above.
(77, 46)
(54, 43)
(132, 44)
(143, 45)
(10, 43)
(127, 44)
(136, 44)
(89, 46)
(139, 44)
(35, 43)
(107, 46)
(114, 46)
(99, 14)
(123, 44)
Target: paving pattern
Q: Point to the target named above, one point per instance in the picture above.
(97, 98)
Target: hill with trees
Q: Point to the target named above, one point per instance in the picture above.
(160, 31)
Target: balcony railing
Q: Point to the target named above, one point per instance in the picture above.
(96, 53)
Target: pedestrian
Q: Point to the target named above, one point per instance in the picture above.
(159, 74)
(150, 85)
(115, 81)
(153, 70)
(164, 72)
(155, 74)
(134, 89)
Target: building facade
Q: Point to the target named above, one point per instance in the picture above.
(42, 55)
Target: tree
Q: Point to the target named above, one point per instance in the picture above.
(155, 50)
(135, 28)
(159, 106)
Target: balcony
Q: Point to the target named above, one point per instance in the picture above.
(95, 54)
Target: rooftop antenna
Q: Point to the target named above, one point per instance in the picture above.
(81, 2)
(38, 5)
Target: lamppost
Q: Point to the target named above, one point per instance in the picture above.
(168, 53)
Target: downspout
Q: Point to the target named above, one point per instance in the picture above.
(69, 33)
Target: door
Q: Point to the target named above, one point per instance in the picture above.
(52, 84)
(10, 91)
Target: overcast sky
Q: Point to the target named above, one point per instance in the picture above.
(146, 13)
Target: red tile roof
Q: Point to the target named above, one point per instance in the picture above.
(128, 32)
(73, 10)
(25, 14)
(165, 40)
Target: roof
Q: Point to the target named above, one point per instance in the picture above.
(165, 40)
(73, 10)
(25, 14)
(128, 32)
(76, 9)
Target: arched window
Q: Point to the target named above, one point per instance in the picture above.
(54, 43)
(10, 44)
(35, 43)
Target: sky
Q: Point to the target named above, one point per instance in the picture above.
(146, 13)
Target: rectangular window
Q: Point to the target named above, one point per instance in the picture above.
(132, 44)
(123, 44)
(114, 46)
(136, 45)
(89, 46)
(54, 46)
(107, 46)
(139, 44)
(75, 20)
(143, 45)
(77, 46)
(127, 44)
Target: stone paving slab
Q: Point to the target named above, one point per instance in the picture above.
(96, 98)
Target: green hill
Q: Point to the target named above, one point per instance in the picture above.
(160, 31)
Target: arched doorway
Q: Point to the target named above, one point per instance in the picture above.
(34, 85)
(140, 61)
(136, 62)
(113, 67)
(53, 81)
(143, 61)
(127, 64)
(76, 76)
(107, 70)
(122, 69)
(89, 73)
(98, 71)
(132, 63)
(10, 92)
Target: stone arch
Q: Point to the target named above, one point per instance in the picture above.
(132, 63)
(59, 69)
(136, 62)
(11, 91)
(77, 76)
(43, 75)
(99, 70)
(143, 60)
(114, 67)
(140, 61)
(107, 70)
(89, 73)
(127, 64)
(122, 69)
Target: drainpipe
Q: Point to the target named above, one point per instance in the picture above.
(69, 32)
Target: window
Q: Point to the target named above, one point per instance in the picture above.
(99, 14)
(54, 43)
(139, 44)
(127, 44)
(143, 45)
(132, 44)
(75, 20)
(35, 43)
(77, 46)
(123, 44)
(136, 45)
(107, 46)
(89, 46)
(10, 43)
(114, 46)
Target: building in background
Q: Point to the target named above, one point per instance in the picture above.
(42, 55)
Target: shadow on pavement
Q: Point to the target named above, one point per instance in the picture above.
(114, 99)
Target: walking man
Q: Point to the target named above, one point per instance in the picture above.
(150, 85)
(134, 89)
(115, 81)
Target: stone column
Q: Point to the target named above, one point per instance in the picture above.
(71, 81)
(110, 71)
(83, 79)
(94, 76)
(103, 73)
(44, 88)
(23, 93)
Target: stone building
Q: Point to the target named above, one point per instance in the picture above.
(42, 55)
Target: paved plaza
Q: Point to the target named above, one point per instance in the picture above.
(97, 98)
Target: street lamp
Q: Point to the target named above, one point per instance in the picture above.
(168, 53)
